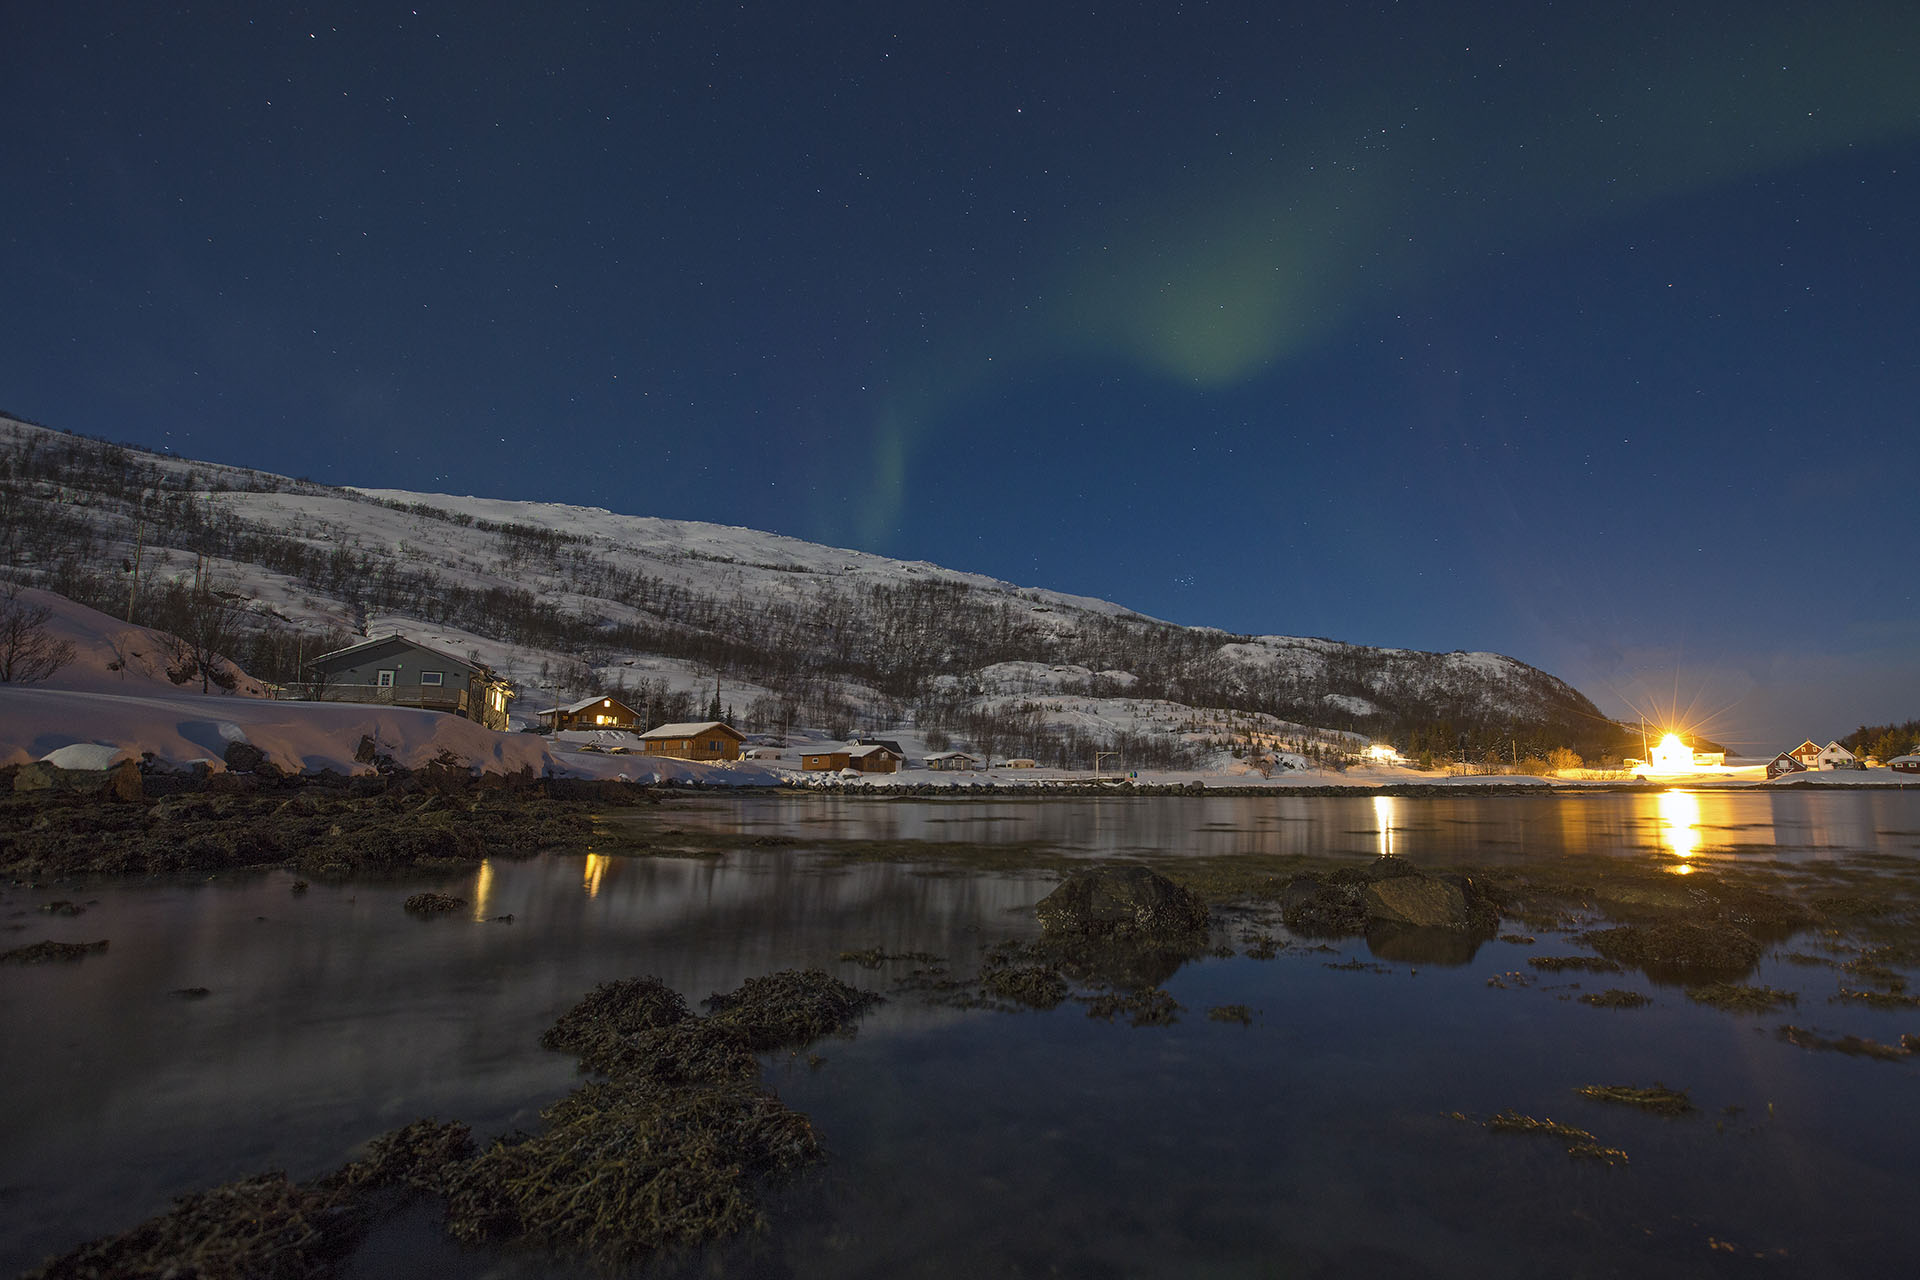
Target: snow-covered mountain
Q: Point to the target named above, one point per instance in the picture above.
(566, 601)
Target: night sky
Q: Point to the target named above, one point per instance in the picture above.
(1583, 333)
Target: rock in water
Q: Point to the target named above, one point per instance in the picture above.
(1121, 903)
(1421, 901)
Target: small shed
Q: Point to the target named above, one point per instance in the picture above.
(1020, 762)
(704, 740)
(1905, 764)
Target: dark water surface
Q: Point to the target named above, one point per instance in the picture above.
(1320, 1140)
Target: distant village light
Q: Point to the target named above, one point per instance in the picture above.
(1672, 756)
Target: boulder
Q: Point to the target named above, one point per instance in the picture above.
(37, 775)
(244, 757)
(1121, 903)
(125, 783)
(1389, 892)
(1422, 902)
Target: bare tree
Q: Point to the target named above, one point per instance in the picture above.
(28, 652)
(204, 619)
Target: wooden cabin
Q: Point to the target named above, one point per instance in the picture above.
(705, 740)
(601, 711)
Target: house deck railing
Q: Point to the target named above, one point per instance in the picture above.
(452, 698)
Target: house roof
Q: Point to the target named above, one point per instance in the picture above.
(950, 755)
(872, 748)
(575, 708)
(397, 643)
(888, 743)
(691, 730)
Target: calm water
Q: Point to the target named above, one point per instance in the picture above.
(1317, 1141)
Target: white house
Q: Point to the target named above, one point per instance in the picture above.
(1835, 756)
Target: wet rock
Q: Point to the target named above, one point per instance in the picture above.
(429, 904)
(1420, 902)
(1121, 903)
(1390, 894)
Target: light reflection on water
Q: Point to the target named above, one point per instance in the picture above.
(1773, 823)
(1319, 1139)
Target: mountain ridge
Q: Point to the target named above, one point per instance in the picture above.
(570, 599)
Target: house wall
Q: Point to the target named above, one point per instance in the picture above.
(408, 666)
(824, 760)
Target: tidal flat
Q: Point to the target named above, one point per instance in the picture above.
(1264, 1098)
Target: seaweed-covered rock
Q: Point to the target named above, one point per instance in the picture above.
(789, 1008)
(615, 1009)
(1121, 903)
(422, 1156)
(620, 1170)
(1038, 986)
(259, 1228)
(1679, 948)
(433, 904)
(1389, 892)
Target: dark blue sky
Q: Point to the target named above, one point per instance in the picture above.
(1586, 333)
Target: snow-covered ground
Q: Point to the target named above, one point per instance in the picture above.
(115, 701)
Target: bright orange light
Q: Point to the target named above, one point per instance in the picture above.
(1672, 756)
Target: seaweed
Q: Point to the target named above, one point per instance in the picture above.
(1616, 998)
(1036, 986)
(1147, 1007)
(614, 1009)
(790, 1007)
(42, 952)
(623, 1170)
(1879, 999)
(430, 904)
(1231, 1013)
(1656, 1098)
(1737, 998)
(1560, 964)
(1854, 1046)
(258, 1228)
(1681, 947)
(1511, 1121)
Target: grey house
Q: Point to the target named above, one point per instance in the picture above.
(395, 671)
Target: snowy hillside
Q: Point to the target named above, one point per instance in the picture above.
(672, 615)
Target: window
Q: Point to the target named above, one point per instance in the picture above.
(433, 677)
(384, 680)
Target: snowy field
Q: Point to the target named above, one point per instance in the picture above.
(115, 702)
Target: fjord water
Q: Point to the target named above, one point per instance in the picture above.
(1326, 1138)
